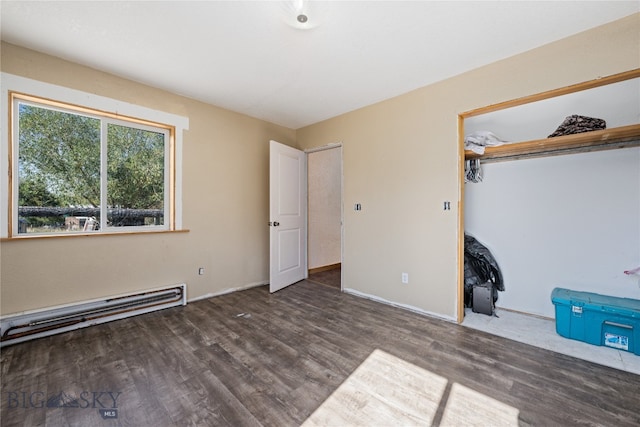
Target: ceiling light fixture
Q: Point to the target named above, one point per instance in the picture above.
(304, 14)
(301, 16)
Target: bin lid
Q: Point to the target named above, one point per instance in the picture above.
(627, 306)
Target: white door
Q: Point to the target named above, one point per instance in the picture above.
(288, 215)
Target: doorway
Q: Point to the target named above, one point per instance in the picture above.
(325, 213)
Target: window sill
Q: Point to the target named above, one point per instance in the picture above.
(76, 235)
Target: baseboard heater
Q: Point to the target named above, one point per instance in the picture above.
(55, 320)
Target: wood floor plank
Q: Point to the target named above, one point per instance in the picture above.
(255, 358)
(214, 403)
(248, 386)
(151, 390)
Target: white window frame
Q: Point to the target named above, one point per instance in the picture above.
(113, 110)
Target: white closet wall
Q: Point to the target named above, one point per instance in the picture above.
(571, 221)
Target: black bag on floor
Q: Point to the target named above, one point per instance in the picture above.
(480, 267)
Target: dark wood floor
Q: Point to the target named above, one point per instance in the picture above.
(251, 358)
(331, 277)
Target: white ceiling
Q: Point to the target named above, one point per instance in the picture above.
(254, 58)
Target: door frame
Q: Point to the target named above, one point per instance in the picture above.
(336, 145)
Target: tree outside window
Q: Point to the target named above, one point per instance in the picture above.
(81, 172)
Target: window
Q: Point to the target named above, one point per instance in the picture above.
(80, 170)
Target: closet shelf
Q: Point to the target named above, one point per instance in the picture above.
(606, 139)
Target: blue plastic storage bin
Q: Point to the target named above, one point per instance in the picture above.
(598, 319)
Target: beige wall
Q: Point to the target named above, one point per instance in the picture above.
(225, 207)
(401, 163)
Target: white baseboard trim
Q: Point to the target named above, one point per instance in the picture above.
(399, 305)
(228, 291)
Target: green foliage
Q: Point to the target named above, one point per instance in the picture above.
(34, 192)
(61, 151)
(59, 162)
(135, 168)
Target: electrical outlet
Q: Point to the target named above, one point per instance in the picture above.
(405, 278)
(201, 271)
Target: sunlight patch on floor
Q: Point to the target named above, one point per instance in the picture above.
(467, 407)
(386, 390)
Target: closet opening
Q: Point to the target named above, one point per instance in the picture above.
(554, 211)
